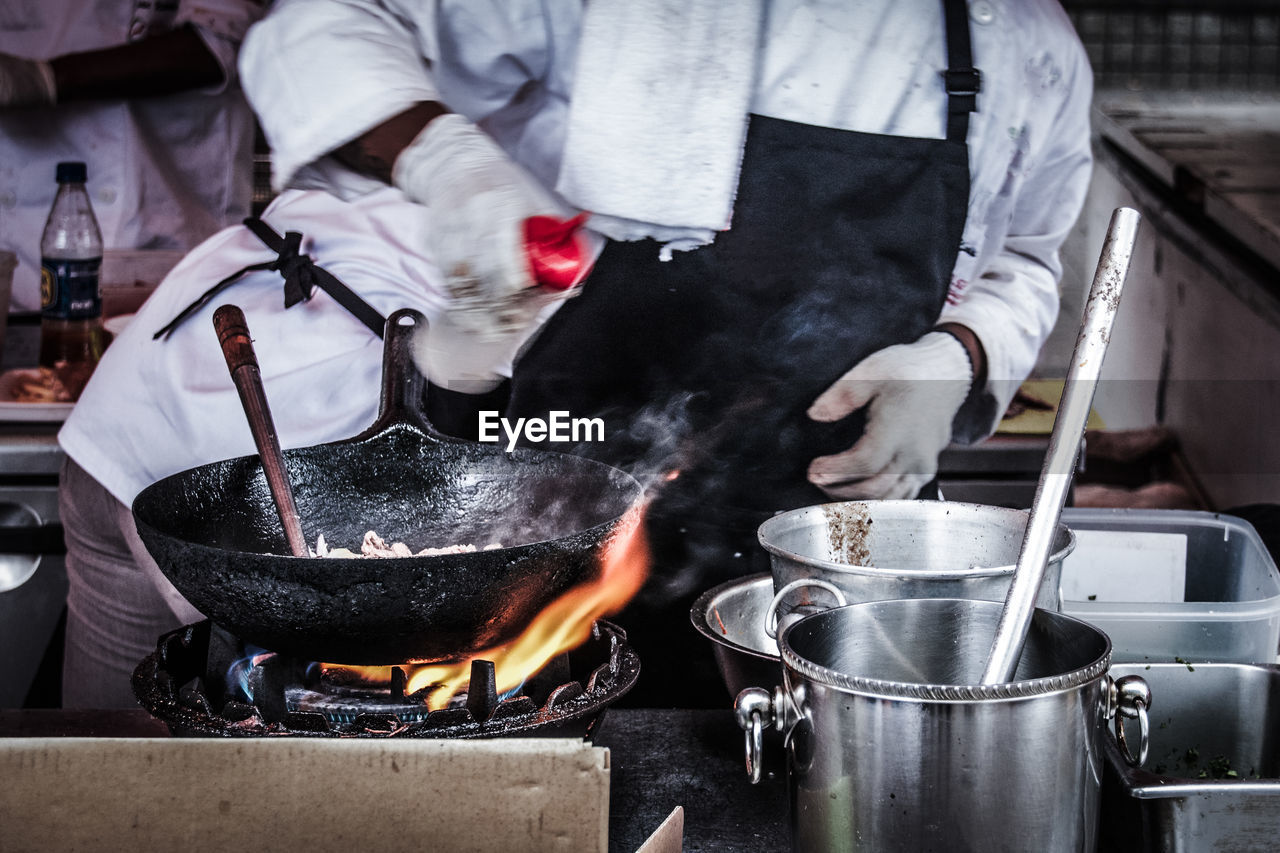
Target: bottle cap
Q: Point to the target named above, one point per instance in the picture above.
(72, 173)
(557, 257)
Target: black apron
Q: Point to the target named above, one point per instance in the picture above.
(841, 244)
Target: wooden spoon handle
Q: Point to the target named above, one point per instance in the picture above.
(242, 362)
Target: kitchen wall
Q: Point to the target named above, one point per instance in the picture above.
(1196, 347)
(1180, 44)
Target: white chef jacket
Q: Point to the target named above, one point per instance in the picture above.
(164, 173)
(321, 72)
(156, 407)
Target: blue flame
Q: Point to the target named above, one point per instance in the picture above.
(514, 691)
(238, 673)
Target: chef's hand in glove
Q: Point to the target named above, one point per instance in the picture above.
(912, 393)
(479, 200)
(26, 82)
(452, 356)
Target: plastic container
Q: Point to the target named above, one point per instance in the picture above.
(1173, 585)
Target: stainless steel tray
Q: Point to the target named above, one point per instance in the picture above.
(1211, 780)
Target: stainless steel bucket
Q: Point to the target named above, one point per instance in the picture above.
(893, 743)
(878, 550)
(732, 617)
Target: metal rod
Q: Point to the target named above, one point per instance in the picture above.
(1064, 445)
(237, 348)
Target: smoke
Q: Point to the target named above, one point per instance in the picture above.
(674, 454)
(662, 434)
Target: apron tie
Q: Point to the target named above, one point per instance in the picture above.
(301, 276)
(298, 270)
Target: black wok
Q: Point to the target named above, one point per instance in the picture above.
(216, 535)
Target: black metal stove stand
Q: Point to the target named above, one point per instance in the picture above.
(184, 683)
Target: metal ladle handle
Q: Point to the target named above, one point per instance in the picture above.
(1064, 445)
(242, 362)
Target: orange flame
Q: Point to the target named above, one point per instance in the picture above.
(563, 625)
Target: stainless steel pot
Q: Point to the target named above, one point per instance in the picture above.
(878, 550)
(893, 743)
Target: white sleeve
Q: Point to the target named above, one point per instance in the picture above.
(319, 73)
(1012, 304)
(221, 24)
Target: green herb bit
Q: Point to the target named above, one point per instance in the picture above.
(1220, 767)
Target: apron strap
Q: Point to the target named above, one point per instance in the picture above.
(301, 276)
(962, 80)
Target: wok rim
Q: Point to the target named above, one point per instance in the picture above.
(625, 481)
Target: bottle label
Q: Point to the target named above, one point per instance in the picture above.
(69, 289)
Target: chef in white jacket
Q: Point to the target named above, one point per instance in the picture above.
(832, 233)
(145, 93)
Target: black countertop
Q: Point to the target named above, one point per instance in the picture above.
(659, 759)
(695, 759)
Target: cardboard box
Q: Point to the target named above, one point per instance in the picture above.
(313, 794)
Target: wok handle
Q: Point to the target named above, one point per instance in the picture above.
(242, 362)
(402, 394)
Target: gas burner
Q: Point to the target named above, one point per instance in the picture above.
(198, 680)
(339, 704)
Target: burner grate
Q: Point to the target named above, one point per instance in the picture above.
(184, 683)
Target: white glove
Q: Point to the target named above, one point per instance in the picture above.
(479, 199)
(912, 393)
(26, 82)
(456, 358)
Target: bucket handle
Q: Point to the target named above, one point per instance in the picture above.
(756, 709)
(753, 709)
(1131, 697)
(771, 618)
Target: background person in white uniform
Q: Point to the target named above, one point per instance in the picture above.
(145, 93)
